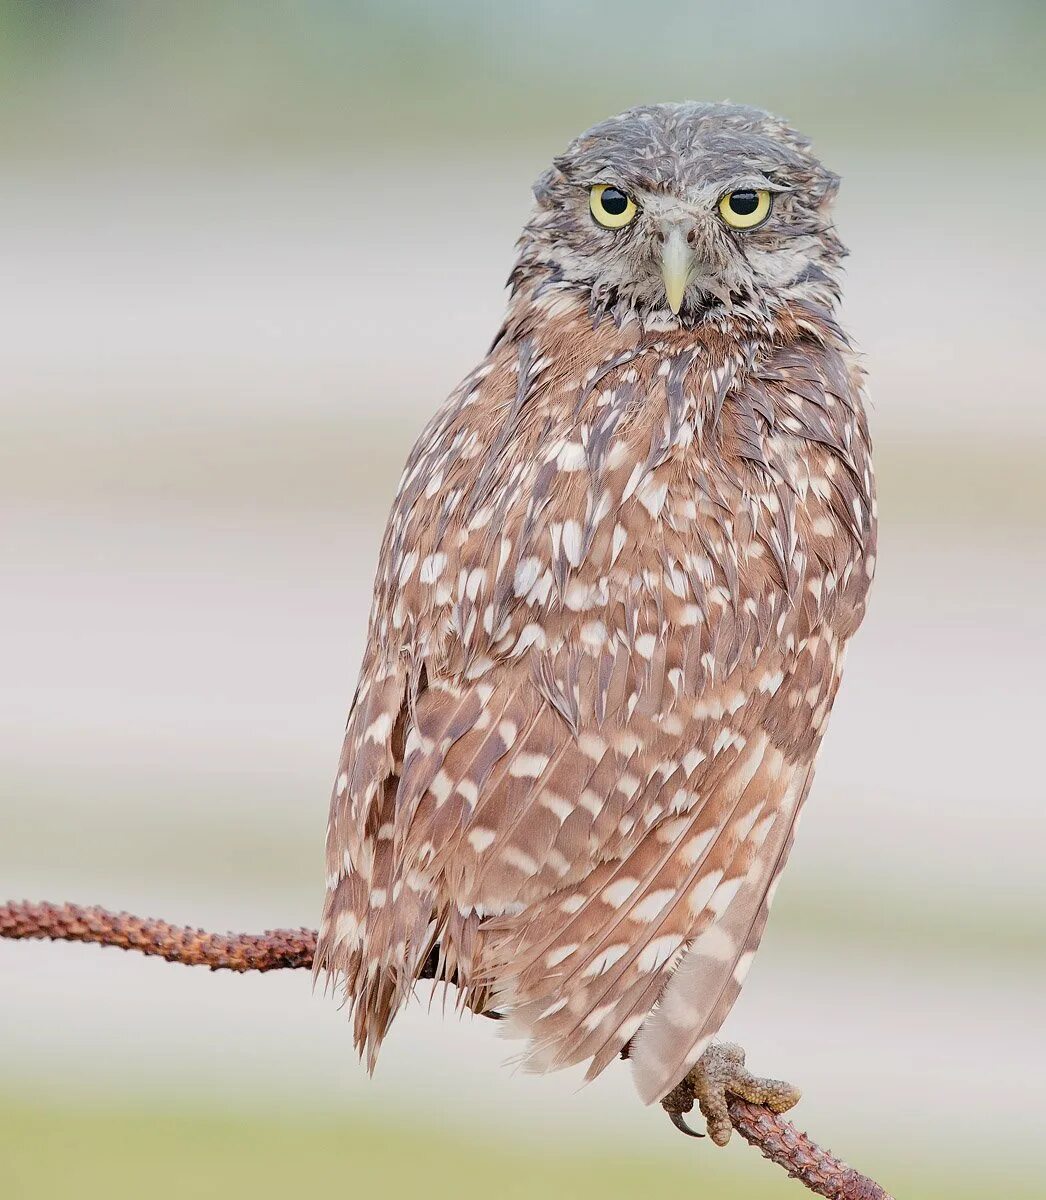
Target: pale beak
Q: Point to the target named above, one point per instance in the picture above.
(677, 265)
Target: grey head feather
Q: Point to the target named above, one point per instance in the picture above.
(676, 161)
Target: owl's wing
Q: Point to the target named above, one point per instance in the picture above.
(585, 838)
(669, 910)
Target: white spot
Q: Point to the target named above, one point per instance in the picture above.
(727, 737)
(441, 786)
(616, 893)
(670, 831)
(581, 595)
(651, 905)
(410, 561)
(526, 575)
(702, 891)
(823, 527)
(638, 472)
(571, 904)
(652, 497)
(572, 542)
(724, 895)
(605, 960)
(592, 746)
(514, 857)
(645, 645)
(689, 615)
(683, 800)
(617, 455)
(379, 729)
(343, 783)
(591, 801)
(480, 838)
(744, 963)
(628, 785)
(479, 666)
(770, 682)
(346, 928)
(527, 766)
(596, 1016)
(530, 635)
(477, 579)
(571, 457)
(657, 952)
(555, 957)
(627, 1029)
(557, 804)
(692, 760)
(432, 567)
(715, 943)
(557, 861)
(593, 633)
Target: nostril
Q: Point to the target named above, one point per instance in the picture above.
(691, 237)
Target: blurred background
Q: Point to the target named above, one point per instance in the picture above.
(246, 249)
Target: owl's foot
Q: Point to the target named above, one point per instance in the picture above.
(719, 1074)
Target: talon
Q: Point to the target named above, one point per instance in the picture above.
(679, 1122)
(678, 1102)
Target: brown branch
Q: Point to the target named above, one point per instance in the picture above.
(800, 1155)
(277, 949)
(273, 950)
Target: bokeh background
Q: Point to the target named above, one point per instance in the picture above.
(245, 249)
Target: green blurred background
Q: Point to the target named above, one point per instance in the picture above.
(247, 248)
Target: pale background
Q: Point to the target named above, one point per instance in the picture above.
(245, 249)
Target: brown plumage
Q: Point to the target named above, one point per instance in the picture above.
(611, 611)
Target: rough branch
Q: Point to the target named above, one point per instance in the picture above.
(278, 949)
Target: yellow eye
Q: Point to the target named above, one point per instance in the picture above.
(746, 208)
(611, 207)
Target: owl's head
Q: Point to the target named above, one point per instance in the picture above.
(679, 213)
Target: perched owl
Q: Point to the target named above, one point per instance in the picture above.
(610, 615)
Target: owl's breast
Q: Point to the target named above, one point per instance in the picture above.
(564, 499)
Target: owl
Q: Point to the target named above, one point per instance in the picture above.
(610, 615)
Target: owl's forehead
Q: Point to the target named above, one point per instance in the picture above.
(686, 147)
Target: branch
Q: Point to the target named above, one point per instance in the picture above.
(273, 950)
(278, 949)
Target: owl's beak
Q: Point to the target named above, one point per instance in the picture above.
(677, 265)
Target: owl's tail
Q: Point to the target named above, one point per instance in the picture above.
(376, 935)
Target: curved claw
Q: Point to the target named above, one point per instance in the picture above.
(679, 1122)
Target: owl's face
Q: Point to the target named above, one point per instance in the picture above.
(681, 212)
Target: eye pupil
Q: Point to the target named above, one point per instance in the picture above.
(744, 203)
(613, 201)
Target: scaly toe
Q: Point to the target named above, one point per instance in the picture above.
(719, 1074)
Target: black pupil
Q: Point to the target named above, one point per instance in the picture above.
(744, 203)
(613, 202)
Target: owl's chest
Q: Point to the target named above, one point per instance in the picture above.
(652, 526)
